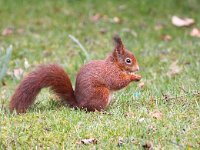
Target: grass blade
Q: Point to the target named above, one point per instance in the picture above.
(4, 62)
(81, 46)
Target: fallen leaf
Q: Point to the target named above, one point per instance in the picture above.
(156, 114)
(116, 20)
(141, 120)
(195, 32)
(102, 30)
(7, 31)
(133, 141)
(165, 51)
(26, 63)
(182, 22)
(166, 96)
(89, 141)
(105, 17)
(187, 63)
(130, 114)
(174, 69)
(96, 17)
(18, 73)
(120, 142)
(47, 129)
(152, 101)
(79, 124)
(106, 113)
(152, 128)
(141, 85)
(47, 53)
(20, 30)
(162, 59)
(3, 82)
(3, 94)
(148, 145)
(166, 37)
(159, 26)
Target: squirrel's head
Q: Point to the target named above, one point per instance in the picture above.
(124, 58)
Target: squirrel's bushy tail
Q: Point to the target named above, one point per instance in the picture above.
(51, 76)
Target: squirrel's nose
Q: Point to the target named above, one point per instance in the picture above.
(136, 68)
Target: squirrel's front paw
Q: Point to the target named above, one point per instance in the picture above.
(135, 77)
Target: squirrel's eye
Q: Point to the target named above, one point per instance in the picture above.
(128, 61)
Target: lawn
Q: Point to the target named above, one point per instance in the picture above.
(162, 111)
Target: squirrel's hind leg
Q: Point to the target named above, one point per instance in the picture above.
(98, 101)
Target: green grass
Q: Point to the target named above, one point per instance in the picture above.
(46, 26)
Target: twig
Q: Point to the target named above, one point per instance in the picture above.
(170, 98)
(183, 89)
(176, 144)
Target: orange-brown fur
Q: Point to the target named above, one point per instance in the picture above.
(94, 82)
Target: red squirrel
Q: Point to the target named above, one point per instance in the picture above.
(95, 81)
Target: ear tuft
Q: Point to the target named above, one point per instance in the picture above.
(117, 40)
(119, 47)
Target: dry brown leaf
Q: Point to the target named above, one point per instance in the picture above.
(156, 114)
(195, 32)
(3, 82)
(89, 141)
(120, 142)
(102, 30)
(7, 31)
(152, 128)
(148, 145)
(106, 113)
(116, 20)
(141, 85)
(47, 53)
(166, 96)
(18, 73)
(47, 129)
(174, 69)
(130, 114)
(159, 26)
(105, 17)
(166, 37)
(152, 101)
(20, 30)
(182, 22)
(96, 17)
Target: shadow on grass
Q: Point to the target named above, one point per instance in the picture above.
(46, 106)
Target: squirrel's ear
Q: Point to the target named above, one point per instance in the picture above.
(119, 47)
